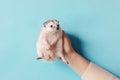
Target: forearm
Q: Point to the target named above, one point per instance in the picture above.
(77, 62)
(87, 70)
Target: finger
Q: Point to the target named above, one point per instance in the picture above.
(67, 47)
(65, 38)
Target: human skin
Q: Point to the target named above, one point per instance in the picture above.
(76, 62)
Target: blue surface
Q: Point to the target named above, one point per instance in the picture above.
(93, 27)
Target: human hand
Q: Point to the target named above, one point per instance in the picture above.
(67, 47)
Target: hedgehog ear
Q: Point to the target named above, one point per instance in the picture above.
(44, 24)
(56, 20)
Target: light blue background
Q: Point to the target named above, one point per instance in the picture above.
(94, 26)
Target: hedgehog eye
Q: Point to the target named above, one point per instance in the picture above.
(51, 26)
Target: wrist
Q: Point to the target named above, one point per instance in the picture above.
(77, 62)
(71, 56)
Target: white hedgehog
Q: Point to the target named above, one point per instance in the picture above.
(50, 43)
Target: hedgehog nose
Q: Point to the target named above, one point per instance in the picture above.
(57, 28)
